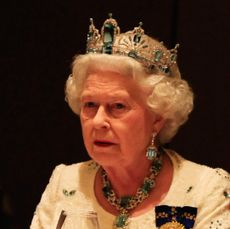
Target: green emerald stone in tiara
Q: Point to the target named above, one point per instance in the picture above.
(158, 55)
(135, 44)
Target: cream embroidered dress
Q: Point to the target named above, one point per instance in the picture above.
(70, 190)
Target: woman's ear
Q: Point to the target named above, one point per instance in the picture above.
(158, 124)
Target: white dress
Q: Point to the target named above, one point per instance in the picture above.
(71, 190)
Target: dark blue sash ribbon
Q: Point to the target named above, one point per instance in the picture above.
(184, 215)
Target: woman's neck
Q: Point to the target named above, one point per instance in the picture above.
(126, 179)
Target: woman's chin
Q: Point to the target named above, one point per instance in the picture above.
(102, 154)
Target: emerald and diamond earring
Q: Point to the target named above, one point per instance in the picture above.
(152, 150)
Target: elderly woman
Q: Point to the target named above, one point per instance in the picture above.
(131, 100)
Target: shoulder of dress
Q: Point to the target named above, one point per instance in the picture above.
(194, 167)
(212, 184)
(184, 165)
(69, 179)
(211, 176)
(74, 173)
(86, 166)
(202, 175)
(76, 169)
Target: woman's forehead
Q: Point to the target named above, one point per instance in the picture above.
(111, 85)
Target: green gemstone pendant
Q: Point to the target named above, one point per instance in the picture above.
(121, 221)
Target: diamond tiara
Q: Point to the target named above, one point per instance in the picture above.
(136, 44)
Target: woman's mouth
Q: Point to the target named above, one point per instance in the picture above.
(103, 143)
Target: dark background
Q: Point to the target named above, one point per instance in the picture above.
(38, 40)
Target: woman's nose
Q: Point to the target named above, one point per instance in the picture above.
(100, 119)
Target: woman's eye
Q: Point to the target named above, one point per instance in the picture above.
(89, 104)
(118, 109)
(119, 106)
(89, 109)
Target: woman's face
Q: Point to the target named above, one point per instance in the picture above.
(116, 123)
